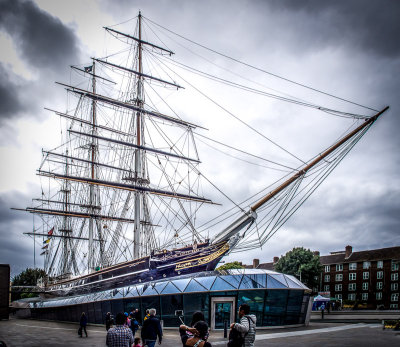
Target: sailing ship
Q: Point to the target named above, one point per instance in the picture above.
(123, 189)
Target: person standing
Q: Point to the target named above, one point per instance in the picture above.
(109, 320)
(83, 323)
(120, 335)
(247, 325)
(151, 329)
(322, 310)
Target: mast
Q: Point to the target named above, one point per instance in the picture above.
(250, 216)
(138, 152)
(93, 176)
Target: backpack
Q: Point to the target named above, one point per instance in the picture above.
(235, 337)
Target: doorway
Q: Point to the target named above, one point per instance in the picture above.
(222, 310)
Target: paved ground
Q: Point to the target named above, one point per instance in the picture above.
(29, 333)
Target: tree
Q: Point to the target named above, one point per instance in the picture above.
(228, 266)
(28, 277)
(301, 263)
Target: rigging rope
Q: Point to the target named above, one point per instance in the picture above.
(259, 69)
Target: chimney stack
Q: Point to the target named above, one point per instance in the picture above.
(349, 250)
(256, 262)
(276, 259)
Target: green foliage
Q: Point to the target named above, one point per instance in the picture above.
(228, 266)
(301, 262)
(28, 277)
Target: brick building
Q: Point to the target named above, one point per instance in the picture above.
(367, 277)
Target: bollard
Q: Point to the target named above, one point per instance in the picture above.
(225, 329)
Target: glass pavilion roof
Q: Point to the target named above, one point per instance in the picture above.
(229, 280)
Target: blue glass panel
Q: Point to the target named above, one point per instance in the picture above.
(132, 292)
(233, 280)
(207, 282)
(194, 286)
(170, 289)
(272, 283)
(181, 284)
(160, 286)
(280, 278)
(149, 289)
(292, 284)
(140, 289)
(295, 280)
(249, 283)
(220, 284)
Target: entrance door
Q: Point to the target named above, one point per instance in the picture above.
(222, 309)
(222, 314)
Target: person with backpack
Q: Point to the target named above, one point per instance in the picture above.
(243, 334)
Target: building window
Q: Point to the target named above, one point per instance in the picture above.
(394, 286)
(351, 297)
(395, 297)
(395, 265)
(366, 264)
(326, 288)
(379, 296)
(379, 285)
(394, 306)
(379, 264)
(338, 296)
(379, 275)
(353, 266)
(327, 268)
(365, 275)
(352, 276)
(365, 286)
(327, 278)
(352, 286)
(364, 296)
(338, 287)
(395, 276)
(339, 267)
(339, 277)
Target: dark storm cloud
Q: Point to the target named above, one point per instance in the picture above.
(370, 25)
(42, 40)
(16, 248)
(10, 103)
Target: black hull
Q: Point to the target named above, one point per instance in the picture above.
(187, 260)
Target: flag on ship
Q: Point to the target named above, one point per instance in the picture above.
(50, 232)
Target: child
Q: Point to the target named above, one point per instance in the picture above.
(136, 342)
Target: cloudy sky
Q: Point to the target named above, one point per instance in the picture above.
(345, 48)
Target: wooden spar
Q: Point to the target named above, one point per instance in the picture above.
(77, 214)
(127, 187)
(270, 195)
(61, 236)
(92, 74)
(86, 161)
(128, 144)
(115, 102)
(80, 120)
(140, 41)
(137, 73)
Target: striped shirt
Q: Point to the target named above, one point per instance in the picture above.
(120, 336)
(244, 328)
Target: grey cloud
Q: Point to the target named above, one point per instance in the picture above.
(43, 40)
(16, 248)
(10, 103)
(370, 25)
